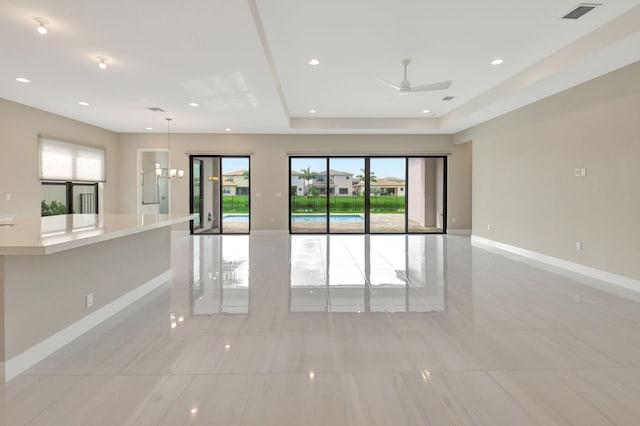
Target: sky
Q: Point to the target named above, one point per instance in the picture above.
(382, 167)
(232, 164)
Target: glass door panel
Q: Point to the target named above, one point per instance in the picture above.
(308, 184)
(387, 183)
(425, 193)
(196, 193)
(209, 187)
(235, 195)
(346, 195)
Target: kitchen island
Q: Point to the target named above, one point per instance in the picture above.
(62, 275)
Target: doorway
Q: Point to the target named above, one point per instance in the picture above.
(220, 194)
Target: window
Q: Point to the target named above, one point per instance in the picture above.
(344, 191)
(226, 190)
(70, 175)
(68, 198)
(228, 178)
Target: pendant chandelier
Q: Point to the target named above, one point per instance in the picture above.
(173, 173)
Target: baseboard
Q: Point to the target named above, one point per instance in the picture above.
(459, 231)
(599, 274)
(27, 359)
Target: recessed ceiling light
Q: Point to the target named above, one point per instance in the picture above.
(83, 103)
(425, 111)
(497, 61)
(102, 62)
(23, 80)
(148, 128)
(194, 104)
(227, 129)
(41, 28)
(312, 111)
(314, 62)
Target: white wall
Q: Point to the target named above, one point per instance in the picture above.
(523, 174)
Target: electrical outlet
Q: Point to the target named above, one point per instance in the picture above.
(453, 220)
(7, 196)
(583, 172)
(578, 245)
(89, 300)
(577, 172)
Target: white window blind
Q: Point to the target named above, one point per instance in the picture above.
(71, 162)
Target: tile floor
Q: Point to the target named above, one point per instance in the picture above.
(348, 330)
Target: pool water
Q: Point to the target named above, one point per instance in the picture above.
(237, 218)
(334, 218)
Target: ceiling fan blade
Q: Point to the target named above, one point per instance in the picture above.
(389, 84)
(433, 86)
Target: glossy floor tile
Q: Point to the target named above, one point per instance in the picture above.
(348, 330)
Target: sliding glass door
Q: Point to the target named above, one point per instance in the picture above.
(387, 198)
(346, 207)
(308, 195)
(220, 194)
(384, 195)
(426, 194)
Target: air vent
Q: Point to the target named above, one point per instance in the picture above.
(448, 98)
(155, 109)
(580, 10)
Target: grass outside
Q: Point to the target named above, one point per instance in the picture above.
(348, 204)
(235, 204)
(300, 204)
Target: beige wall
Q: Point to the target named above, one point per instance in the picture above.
(523, 174)
(460, 181)
(270, 166)
(20, 126)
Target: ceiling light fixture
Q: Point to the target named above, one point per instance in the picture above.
(425, 111)
(172, 172)
(83, 103)
(41, 28)
(227, 129)
(148, 128)
(497, 61)
(312, 111)
(102, 62)
(194, 104)
(23, 80)
(313, 62)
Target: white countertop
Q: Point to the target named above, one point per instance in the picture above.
(52, 234)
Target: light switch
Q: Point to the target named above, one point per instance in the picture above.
(7, 196)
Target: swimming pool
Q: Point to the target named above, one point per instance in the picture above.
(335, 218)
(237, 218)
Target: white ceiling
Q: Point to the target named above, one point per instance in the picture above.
(245, 61)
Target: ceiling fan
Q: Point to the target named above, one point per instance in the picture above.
(404, 88)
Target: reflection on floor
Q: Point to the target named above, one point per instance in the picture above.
(347, 330)
(386, 273)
